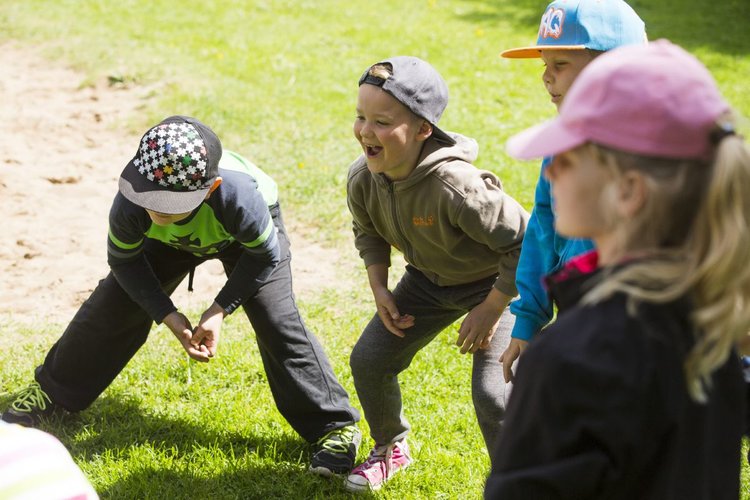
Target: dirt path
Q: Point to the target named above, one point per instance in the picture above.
(62, 147)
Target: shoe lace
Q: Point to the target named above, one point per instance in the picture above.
(384, 454)
(337, 441)
(31, 398)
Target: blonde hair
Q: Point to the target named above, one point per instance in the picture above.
(383, 71)
(695, 227)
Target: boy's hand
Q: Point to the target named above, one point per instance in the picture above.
(393, 320)
(181, 328)
(513, 352)
(206, 335)
(478, 328)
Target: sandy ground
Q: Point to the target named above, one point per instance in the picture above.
(62, 147)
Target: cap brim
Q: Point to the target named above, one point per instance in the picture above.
(441, 136)
(545, 139)
(143, 193)
(536, 51)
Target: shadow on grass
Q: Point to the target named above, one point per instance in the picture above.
(168, 457)
(718, 26)
(243, 483)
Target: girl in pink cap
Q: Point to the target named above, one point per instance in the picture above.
(638, 390)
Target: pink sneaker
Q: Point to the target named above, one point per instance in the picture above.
(384, 461)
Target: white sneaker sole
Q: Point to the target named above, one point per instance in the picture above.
(322, 471)
(362, 488)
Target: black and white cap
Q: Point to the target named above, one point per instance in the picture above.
(176, 164)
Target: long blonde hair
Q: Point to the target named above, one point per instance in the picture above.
(696, 226)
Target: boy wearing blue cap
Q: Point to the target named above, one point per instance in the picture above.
(182, 202)
(637, 390)
(415, 189)
(571, 34)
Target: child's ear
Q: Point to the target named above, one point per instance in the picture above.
(216, 184)
(425, 131)
(632, 193)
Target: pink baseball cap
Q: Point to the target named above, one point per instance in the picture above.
(653, 100)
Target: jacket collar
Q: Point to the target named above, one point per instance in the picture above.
(573, 280)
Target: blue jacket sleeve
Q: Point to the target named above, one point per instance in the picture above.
(543, 251)
(533, 308)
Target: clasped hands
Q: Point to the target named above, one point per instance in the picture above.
(200, 342)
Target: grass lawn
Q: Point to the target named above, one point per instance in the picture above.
(276, 79)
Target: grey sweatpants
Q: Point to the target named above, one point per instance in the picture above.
(379, 356)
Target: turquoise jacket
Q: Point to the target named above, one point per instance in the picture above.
(543, 252)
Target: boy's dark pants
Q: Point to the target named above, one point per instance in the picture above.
(109, 328)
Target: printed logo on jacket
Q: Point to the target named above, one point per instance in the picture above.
(428, 220)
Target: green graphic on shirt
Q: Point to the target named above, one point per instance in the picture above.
(201, 235)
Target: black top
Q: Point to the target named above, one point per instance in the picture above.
(236, 213)
(600, 409)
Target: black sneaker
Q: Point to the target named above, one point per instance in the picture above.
(335, 452)
(30, 405)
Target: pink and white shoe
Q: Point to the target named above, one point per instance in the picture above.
(384, 461)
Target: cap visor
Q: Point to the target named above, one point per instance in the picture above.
(146, 194)
(536, 51)
(545, 139)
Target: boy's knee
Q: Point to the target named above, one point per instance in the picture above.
(488, 398)
(367, 359)
(358, 360)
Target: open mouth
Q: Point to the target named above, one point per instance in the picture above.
(371, 151)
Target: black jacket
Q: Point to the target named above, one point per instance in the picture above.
(600, 409)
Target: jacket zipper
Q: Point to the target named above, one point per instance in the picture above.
(405, 247)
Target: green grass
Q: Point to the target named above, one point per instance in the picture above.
(154, 435)
(277, 81)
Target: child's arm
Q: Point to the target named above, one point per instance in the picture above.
(374, 251)
(491, 217)
(388, 311)
(125, 256)
(252, 270)
(542, 252)
(183, 330)
(478, 327)
(244, 214)
(533, 309)
(206, 337)
(510, 355)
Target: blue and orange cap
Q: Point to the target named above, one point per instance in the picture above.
(584, 24)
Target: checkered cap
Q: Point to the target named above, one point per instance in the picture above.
(175, 166)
